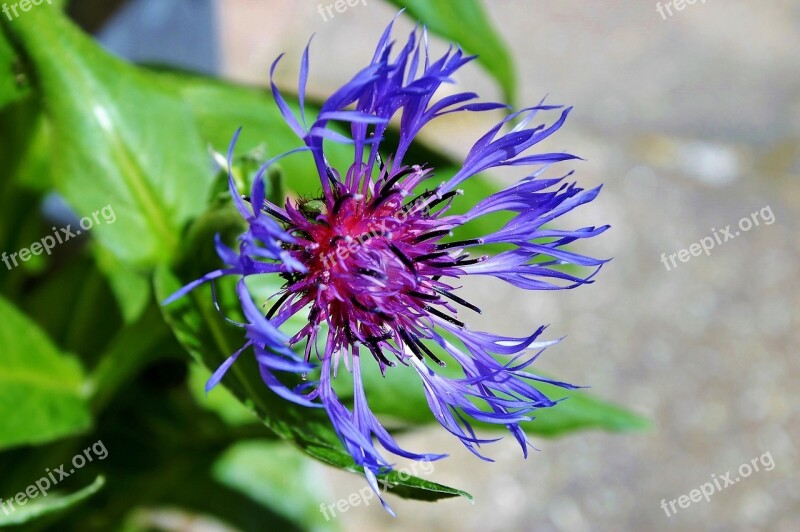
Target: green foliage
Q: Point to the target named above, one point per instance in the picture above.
(41, 389)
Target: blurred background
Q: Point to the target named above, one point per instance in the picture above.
(692, 122)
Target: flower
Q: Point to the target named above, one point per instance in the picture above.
(374, 265)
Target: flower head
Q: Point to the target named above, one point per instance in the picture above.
(373, 264)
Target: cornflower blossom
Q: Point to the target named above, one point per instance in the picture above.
(373, 265)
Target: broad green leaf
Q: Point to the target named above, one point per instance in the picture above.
(465, 23)
(14, 83)
(51, 504)
(41, 389)
(279, 477)
(120, 138)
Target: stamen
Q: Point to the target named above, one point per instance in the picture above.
(378, 157)
(365, 308)
(377, 352)
(417, 347)
(269, 210)
(467, 262)
(461, 243)
(277, 305)
(384, 195)
(431, 235)
(430, 256)
(331, 175)
(404, 259)
(381, 338)
(397, 177)
(341, 201)
(428, 352)
(414, 202)
(445, 198)
(459, 300)
(371, 273)
(421, 295)
(409, 342)
(444, 316)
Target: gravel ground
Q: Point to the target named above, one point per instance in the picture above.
(692, 122)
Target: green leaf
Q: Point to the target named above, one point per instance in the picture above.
(51, 504)
(121, 138)
(465, 23)
(41, 389)
(279, 477)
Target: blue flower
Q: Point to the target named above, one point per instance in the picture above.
(373, 265)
